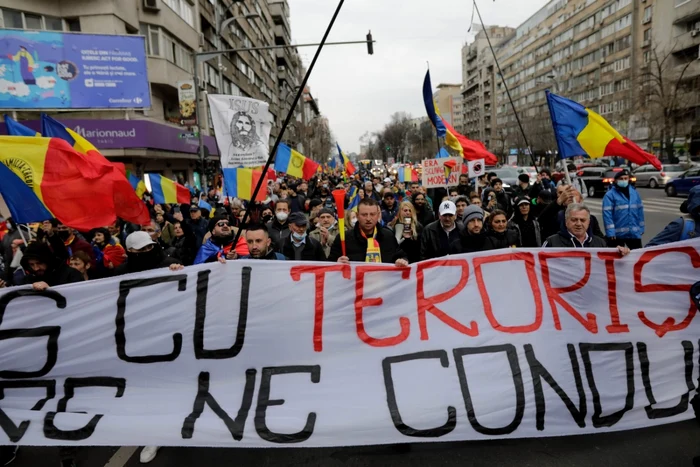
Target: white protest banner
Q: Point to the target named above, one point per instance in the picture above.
(242, 130)
(434, 172)
(509, 343)
(477, 168)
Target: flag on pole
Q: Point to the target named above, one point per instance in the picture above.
(353, 198)
(137, 184)
(580, 131)
(345, 160)
(166, 191)
(431, 108)
(14, 128)
(241, 182)
(407, 174)
(294, 163)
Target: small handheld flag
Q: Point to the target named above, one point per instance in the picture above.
(339, 197)
(449, 166)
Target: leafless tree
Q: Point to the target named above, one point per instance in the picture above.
(663, 98)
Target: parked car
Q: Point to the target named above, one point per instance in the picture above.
(509, 177)
(598, 180)
(648, 175)
(683, 184)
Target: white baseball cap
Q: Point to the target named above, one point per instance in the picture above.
(448, 207)
(138, 240)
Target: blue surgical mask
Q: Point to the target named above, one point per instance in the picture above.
(623, 183)
(298, 238)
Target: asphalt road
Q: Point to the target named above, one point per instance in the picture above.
(659, 210)
(665, 446)
(671, 445)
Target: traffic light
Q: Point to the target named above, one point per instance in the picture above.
(370, 44)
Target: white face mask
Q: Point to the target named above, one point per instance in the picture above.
(282, 216)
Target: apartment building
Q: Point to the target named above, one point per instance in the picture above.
(152, 140)
(444, 97)
(478, 84)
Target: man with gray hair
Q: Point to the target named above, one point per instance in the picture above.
(577, 219)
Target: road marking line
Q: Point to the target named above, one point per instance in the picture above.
(122, 456)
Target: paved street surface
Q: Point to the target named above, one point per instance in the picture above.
(659, 210)
(666, 446)
(671, 445)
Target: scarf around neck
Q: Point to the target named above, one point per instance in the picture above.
(373, 254)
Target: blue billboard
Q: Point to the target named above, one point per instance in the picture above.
(55, 70)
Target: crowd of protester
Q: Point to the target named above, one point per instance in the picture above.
(390, 222)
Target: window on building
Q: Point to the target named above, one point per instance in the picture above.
(647, 35)
(73, 24)
(12, 19)
(183, 9)
(53, 24)
(160, 43)
(647, 14)
(33, 21)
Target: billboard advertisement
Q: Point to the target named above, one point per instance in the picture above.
(188, 102)
(55, 70)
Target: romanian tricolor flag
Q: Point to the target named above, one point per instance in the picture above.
(407, 174)
(353, 198)
(468, 149)
(348, 167)
(70, 187)
(137, 184)
(166, 191)
(128, 204)
(241, 182)
(14, 128)
(294, 163)
(580, 132)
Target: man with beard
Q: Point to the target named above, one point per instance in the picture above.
(326, 230)
(473, 237)
(260, 244)
(244, 134)
(46, 267)
(219, 247)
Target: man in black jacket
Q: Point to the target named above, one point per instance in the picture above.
(368, 242)
(278, 228)
(46, 265)
(299, 246)
(551, 218)
(575, 232)
(473, 237)
(437, 236)
(143, 254)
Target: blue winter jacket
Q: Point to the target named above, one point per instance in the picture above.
(673, 231)
(623, 217)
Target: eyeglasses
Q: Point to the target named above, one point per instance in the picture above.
(222, 224)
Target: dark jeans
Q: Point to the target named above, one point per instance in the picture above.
(631, 243)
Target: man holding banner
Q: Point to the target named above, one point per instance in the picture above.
(368, 242)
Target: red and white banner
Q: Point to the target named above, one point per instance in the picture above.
(511, 343)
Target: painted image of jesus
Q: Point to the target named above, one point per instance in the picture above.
(244, 133)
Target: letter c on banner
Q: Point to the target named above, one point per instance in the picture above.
(391, 396)
(124, 289)
(52, 332)
(14, 432)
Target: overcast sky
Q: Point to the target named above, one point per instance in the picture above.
(359, 92)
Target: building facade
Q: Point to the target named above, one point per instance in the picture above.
(596, 52)
(444, 97)
(478, 84)
(152, 140)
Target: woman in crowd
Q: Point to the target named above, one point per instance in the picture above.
(167, 231)
(498, 234)
(423, 212)
(408, 230)
(350, 219)
(184, 245)
(109, 254)
(527, 226)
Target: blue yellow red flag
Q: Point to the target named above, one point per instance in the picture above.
(348, 167)
(582, 132)
(294, 163)
(166, 191)
(14, 128)
(241, 182)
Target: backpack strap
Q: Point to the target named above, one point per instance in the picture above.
(688, 229)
